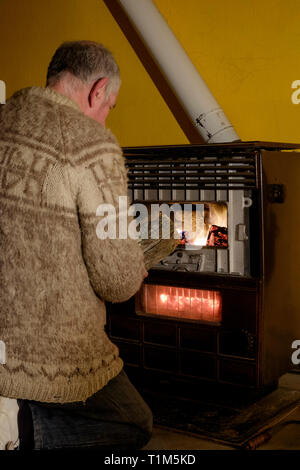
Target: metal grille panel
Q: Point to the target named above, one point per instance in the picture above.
(188, 170)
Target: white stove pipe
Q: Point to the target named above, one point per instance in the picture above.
(206, 114)
(2, 92)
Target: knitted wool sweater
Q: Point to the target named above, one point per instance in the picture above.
(56, 167)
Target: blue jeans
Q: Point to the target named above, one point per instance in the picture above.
(115, 418)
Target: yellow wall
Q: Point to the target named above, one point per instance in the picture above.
(248, 52)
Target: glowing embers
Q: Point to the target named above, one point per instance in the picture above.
(181, 302)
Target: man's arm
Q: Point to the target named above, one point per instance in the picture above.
(115, 266)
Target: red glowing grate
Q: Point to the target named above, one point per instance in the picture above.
(181, 302)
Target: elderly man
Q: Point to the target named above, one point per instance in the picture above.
(58, 164)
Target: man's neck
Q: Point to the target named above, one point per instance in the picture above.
(76, 94)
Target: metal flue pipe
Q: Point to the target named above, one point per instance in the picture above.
(2, 92)
(185, 80)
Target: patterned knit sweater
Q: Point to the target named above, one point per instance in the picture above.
(56, 167)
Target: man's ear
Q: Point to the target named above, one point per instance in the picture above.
(97, 91)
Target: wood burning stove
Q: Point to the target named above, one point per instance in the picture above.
(224, 312)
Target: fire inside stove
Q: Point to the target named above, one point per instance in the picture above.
(181, 302)
(212, 230)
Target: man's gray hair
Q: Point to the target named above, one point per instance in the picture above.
(87, 61)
